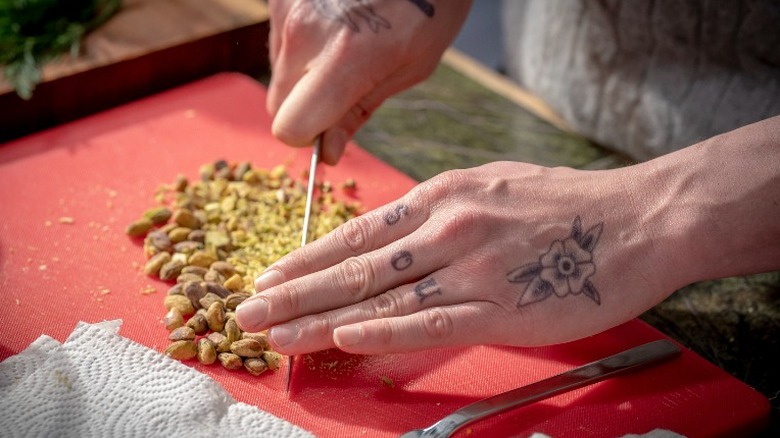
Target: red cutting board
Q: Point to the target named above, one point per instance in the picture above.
(103, 170)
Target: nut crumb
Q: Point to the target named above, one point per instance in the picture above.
(17, 301)
(387, 381)
(66, 220)
(42, 267)
(148, 290)
(47, 223)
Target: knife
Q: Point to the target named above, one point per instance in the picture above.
(644, 355)
(315, 158)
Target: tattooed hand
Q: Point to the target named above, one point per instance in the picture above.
(335, 61)
(505, 253)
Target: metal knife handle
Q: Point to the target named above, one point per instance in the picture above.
(643, 355)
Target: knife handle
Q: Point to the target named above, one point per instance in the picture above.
(641, 356)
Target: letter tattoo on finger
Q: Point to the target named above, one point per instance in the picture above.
(425, 289)
(565, 269)
(401, 260)
(392, 217)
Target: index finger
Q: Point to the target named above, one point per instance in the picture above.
(355, 237)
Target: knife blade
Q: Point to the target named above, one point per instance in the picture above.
(315, 158)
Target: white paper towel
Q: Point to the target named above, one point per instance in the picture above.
(99, 384)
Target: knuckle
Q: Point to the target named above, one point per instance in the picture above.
(441, 187)
(385, 335)
(386, 305)
(317, 327)
(354, 235)
(437, 323)
(460, 225)
(355, 277)
(288, 297)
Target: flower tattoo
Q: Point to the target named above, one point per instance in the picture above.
(565, 269)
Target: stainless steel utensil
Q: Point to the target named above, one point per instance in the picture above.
(643, 355)
(315, 158)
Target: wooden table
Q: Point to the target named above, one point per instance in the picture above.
(148, 46)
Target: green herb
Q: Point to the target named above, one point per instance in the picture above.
(33, 32)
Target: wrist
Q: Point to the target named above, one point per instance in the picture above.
(713, 207)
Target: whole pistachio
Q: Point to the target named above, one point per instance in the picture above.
(176, 289)
(233, 300)
(139, 227)
(217, 289)
(183, 333)
(220, 342)
(255, 366)
(197, 236)
(247, 348)
(272, 358)
(158, 215)
(173, 319)
(159, 241)
(214, 276)
(198, 324)
(194, 291)
(154, 264)
(209, 299)
(179, 234)
(202, 258)
(180, 303)
(207, 352)
(197, 270)
(226, 269)
(182, 350)
(232, 332)
(185, 218)
(230, 361)
(187, 247)
(262, 338)
(215, 316)
(171, 269)
(186, 277)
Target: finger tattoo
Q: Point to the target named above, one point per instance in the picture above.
(565, 269)
(425, 6)
(401, 260)
(392, 217)
(351, 13)
(426, 288)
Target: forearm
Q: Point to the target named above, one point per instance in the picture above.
(715, 209)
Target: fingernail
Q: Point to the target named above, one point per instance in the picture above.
(348, 335)
(269, 278)
(251, 313)
(283, 334)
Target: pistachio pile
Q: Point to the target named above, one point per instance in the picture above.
(212, 237)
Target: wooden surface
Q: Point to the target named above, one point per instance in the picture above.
(148, 46)
(503, 86)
